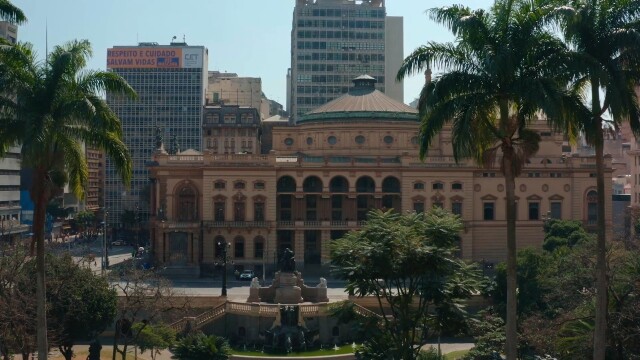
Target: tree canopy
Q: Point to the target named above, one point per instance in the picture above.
(409, 262)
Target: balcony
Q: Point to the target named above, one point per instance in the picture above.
(238, 224)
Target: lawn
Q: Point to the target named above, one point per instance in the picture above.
(454, 355)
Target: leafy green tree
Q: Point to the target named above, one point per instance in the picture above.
(85, 219)
(407, 261)
(560, 233)
(201, 347)
(503, 68)
(489, 337)
(605, 35)
(11, 13)
(145, 298)
(154, 338)
(81, 304)
(52, 108)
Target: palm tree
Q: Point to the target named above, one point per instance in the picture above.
(502, 69)
(51, 109)
(11, 13)
(605, 33)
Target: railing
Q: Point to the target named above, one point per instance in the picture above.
(200, 320)
(190, 158)
(362, 311)
(238, 224)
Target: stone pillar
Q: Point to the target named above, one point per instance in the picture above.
(325, 252)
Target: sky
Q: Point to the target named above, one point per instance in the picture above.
(248, 37)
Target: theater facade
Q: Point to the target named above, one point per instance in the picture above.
(322, 176)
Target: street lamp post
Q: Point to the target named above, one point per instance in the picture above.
(225, 259)
(105, 254)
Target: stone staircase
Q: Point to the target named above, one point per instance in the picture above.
(200, 320)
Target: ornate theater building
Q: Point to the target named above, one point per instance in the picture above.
(322, 176)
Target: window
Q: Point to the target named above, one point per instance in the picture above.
(288, 141)
(258, 249)
(556, 210)
(438, 203)
(312, 205)
(218, 209)
(219, 185)
(259, 185)
(488, 211)
(534, 174)
(418, 186)
(388, 139)
(238, 248)
(238, 185)
(418, 206)
(456, 186)
(187, 208)
(258, 211)
(309, 140)
(336, 207)
(332, 140)
(592, 207)
(456, 208)
(414, 140)
(555, 175)
(360, 139)
(229, 118)
(534, 211)
(238, 211)
(437, 186)
(285, 207)
(489, 174)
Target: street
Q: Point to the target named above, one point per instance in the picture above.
(236, 290)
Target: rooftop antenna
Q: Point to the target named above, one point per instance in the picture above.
(46, 40)
(173, 38)
(184, 40)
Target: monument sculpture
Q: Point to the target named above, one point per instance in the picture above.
(288, 332)
(288, 285)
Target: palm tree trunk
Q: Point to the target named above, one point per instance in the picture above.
(600, 331)
(512, 320)
(38, 233)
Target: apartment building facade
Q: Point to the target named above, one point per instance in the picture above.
(170, 81)
(334, 41)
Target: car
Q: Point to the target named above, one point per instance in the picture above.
(117, 243)
(247, 275)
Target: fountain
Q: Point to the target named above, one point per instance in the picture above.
(288, 332)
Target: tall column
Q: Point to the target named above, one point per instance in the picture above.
(325, 242)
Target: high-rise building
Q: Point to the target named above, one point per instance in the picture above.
(170, 81)
(10, 210)
(9, 31)
(334, 41)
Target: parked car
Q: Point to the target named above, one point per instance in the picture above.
(247, 275)
(118, 243)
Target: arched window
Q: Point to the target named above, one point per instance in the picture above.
(187, 208)
(312, 184)
(339, 184)
(391, 185)
(592, 207)
(365, 184)
(286, 184)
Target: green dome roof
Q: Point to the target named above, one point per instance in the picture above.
(363, 101)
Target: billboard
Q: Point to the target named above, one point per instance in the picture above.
(146, 57)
